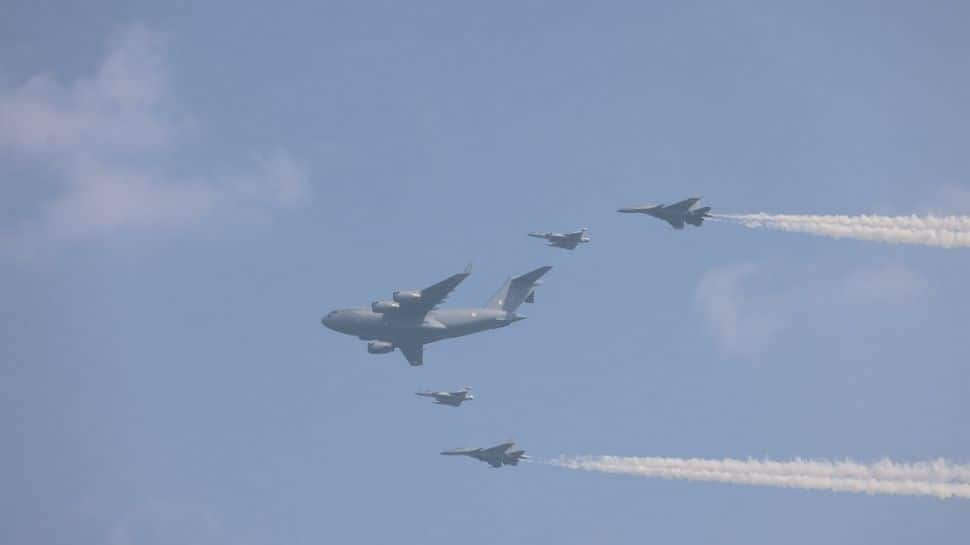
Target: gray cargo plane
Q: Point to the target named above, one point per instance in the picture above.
(454, 399)
(497, 456)
(567, 241)
(676, 214)
(412, 318)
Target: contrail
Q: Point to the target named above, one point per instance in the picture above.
(939, 231)
(937, 478)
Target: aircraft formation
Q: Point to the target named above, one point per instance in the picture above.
(412, 318)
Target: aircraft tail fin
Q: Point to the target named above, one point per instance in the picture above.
(696, 217)
(513, 457)
(516, 290)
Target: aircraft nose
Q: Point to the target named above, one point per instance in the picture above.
(328, 320)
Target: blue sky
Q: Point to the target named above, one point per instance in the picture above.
(186, 190)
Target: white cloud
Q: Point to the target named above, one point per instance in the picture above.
(104, 197)
(751, 308)
(125, 106)
(741, 322)
(100, 132)
(891, 283)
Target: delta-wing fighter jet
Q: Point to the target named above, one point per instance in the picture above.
(567, 241)
(504, 454)
(453, 399)
(677, 214)
(412, 319)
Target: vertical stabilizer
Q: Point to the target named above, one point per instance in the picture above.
(515, 290)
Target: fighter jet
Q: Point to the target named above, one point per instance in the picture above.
(411, 319)
(676, 214)
(454, 399)
(567, 241)
(497, 456)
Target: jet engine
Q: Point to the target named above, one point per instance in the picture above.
(405, 297)
(381, 307)
(379, 347)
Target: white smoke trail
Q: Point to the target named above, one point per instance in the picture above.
(951, 223)
(937, 478)
(942, 232)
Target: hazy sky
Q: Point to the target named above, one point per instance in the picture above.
(185, 191)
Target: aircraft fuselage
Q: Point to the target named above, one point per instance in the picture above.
(400, 328)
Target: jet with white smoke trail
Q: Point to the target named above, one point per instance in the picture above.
(677, 215)
(941, 232)
(938, 478)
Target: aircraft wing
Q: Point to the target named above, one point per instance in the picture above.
(434, 295)
(571, 240)
(498, 449)
(413, 352)
(676, 223)
(684, 205)
(494, 463)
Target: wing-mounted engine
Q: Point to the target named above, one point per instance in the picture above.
(401, 301)
(379, 347)
(406, 297)
(381, 307)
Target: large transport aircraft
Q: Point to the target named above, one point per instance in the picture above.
(412, 319)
